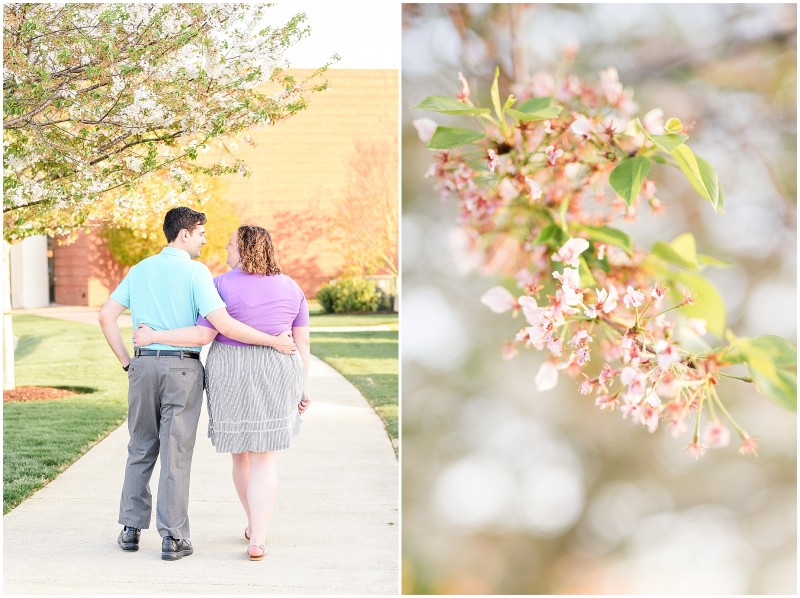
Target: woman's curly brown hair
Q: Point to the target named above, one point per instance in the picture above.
(256, 251)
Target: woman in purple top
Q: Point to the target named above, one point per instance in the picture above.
(255, 394)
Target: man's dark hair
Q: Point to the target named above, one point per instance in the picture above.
(179, 218)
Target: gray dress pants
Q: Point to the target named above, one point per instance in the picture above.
(165, 395)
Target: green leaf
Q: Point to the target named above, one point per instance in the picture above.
(549, 233)
(681, 251)
(587, 279)
(732, 355)
(594, 263)
(611, 236)
(628, 176)
(772, 362)
(711, 181)
(446, 105)
(720, 200)
(667, 143)
(708, 305)
(495, 93)
(535, 104)
(782, 353)
(542, 114)
(700, 174)
(686, 246)
(707, 260)
(450, 137)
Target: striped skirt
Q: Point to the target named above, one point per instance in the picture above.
(253, 395)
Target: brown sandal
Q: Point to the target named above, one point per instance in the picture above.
(256, 557)
(246, 535)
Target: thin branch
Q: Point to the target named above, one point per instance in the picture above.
(26, 118)
(134, 143)
(62, 31)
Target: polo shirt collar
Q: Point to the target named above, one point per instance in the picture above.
(176, 252)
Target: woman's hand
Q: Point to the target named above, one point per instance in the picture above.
(285, 343)
(143, 336)
(304, 403)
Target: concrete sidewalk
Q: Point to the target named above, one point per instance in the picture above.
(334, 530)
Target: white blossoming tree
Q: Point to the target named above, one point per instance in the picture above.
(96, 97)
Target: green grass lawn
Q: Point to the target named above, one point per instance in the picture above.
(314, 307)
(42, 438)
(320, 318)
(369, 360)
(354, 320)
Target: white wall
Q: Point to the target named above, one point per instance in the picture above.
(29, 280)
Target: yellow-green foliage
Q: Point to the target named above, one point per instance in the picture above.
(129, 247)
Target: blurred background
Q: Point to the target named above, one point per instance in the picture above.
(507, 490)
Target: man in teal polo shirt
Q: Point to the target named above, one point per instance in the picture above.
(165, 383)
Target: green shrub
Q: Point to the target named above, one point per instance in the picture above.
(349, 295)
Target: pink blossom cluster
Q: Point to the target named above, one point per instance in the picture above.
(645, 374)
(531, 199)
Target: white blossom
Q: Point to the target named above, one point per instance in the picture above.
(547, 377)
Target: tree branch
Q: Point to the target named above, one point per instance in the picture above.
(20, 121)
(133, 143)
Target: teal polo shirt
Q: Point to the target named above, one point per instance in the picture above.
(167, 291)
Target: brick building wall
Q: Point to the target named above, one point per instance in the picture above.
(298, 169)
(85, 272)
(72, 272)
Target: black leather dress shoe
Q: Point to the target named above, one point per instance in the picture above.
(172, 549)
(128, 538)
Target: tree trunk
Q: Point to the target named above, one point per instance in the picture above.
(8, 332)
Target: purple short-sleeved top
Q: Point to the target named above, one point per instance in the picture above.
(271, 304)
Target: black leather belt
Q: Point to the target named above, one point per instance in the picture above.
(165, 353)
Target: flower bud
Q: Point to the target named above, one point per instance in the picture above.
(673, 125)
